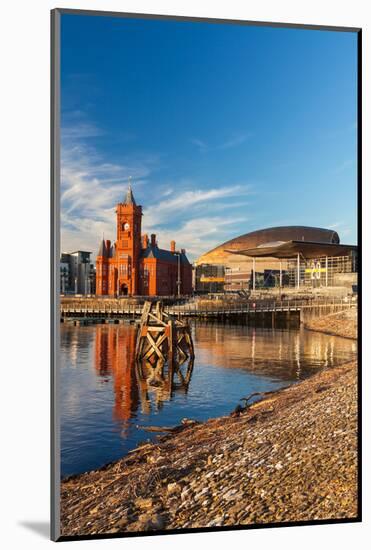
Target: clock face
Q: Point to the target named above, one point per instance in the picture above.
(126, 226)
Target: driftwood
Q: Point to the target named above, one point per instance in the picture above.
(261, 394)
(168, 429)
(185, 423)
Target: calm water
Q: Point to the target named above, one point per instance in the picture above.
(104, 402)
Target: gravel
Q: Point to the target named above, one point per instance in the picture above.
(343, 323)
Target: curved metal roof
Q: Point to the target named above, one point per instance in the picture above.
(290, 249)
(229, 249)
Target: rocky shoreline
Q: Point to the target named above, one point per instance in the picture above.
(290, 457)
(342, 323)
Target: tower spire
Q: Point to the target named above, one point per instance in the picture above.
(129, 199)
(102, 248)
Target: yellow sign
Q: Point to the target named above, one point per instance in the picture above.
(204, 279)
(315, 270)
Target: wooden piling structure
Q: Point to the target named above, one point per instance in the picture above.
(163, 345)
(162, 337)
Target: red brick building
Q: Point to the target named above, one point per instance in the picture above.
(135, 265)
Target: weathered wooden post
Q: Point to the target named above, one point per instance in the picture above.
(171, 350)
(163, 345)
(161, 335)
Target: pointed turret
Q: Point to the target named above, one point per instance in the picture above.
(129, 199)
(102, 249)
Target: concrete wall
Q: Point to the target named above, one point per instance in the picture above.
(345, 279)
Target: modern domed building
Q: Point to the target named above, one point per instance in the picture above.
(277, 256)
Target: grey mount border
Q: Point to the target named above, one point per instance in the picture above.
(55, 269)
(195, 19)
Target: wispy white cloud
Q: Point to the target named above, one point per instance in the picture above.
(233, 142)
(182, 210)
(80, 130)
(201, 145)
(198, 235)
(76, 125)
(191, 218)
(184, 202)
(167, 192)
(230, 143)
(90, 184)
(342, 228)
(91, 187)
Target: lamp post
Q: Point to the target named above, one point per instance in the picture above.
(253, 273)
(178, 282)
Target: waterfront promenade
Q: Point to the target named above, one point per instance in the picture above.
(101, 309)
(290, 457)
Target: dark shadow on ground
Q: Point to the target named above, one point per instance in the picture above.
(42, 528)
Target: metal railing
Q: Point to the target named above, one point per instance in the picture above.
(208, 309)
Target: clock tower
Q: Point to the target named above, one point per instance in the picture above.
(128, 245)
(135, 265)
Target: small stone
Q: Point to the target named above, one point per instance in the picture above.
(229, 495)
(188, 422)
(143, 503)
(157, 522)
(148, 522)
(173, 488)
(185, 493)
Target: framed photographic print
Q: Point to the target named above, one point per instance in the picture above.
(206, 271)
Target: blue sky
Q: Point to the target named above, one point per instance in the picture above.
(224, 129)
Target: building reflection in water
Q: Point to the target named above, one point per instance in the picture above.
(278, 353)
(143, 388)
(147, 383)
(104, 397)
(72, 345)
(114, 358)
